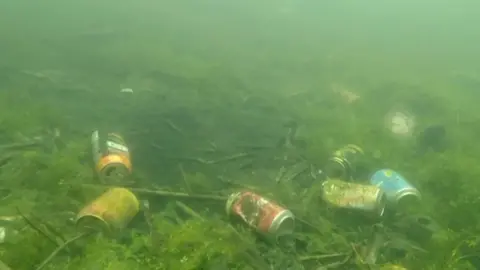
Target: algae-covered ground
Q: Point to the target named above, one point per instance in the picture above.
(216, 89)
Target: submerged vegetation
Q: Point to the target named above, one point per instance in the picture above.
(201, 127)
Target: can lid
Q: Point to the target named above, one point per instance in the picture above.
(114, 174)
(283, 224)
(336, 168)
(408, 200)
(89, 223)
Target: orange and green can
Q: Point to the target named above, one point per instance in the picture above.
(111, 157)
(110, 212)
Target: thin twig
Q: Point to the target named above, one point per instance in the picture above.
(165, 193)
(336, 264)
(174, 127)
(50, 228)
(4, 266)
(229, 158)
(31, 224)
(236, 184)
(280, 174)
(320, 257)
(184, 178)
(60, 248)
(209, 162)
(5, 159)
(189, 210)
(19, 146)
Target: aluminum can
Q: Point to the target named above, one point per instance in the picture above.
(341, 165)
(110, 212)
(266, 217)
(399, 191)
(342, 194)
(111, 157)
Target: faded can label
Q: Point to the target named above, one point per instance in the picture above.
(350, 195)
(115, 208)
(115, 144)
(391, 182)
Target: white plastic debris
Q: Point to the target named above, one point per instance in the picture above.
(400, 123)
(126, 90)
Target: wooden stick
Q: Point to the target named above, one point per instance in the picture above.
(19, 146)
(189, 210)
(33, 226)
(184, 178)
(209, 162)
(165, 193)
(323, 256)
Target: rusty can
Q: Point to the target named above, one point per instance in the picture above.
(266, 217)
(111, 157)
(341, 165)
(341, 194)
(110, 212)
(400, 193)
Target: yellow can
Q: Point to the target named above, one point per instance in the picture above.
(110, 212)
(111, 157)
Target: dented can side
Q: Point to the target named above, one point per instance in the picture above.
(265, 216)
(109, 212)
(354, 196)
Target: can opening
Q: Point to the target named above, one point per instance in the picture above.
(113, 171)
(408, 202)
(336, 169)
(286, 226)
(114, 174)
(92, 223)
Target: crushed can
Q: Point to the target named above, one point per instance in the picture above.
(110, 212)
(266, 217)
(341, 165)
(111, 158)
(400, 193)
(354, 196)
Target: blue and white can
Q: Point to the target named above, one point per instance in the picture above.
(395, 186)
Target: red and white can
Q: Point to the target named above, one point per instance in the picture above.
(266, 217)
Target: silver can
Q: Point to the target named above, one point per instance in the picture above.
(342, 163)
(341, 194)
